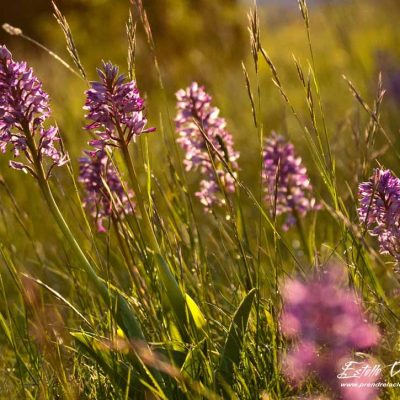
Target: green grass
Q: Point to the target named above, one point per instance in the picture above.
(185, 305)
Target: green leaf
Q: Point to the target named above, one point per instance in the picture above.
(197, 315)
(127, 319)
(183, 306)
(234, 341)
(175, 295)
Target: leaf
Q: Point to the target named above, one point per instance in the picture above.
(127, 319)
(197, 315)
(183, 306)
(175, 296)
(234, 341)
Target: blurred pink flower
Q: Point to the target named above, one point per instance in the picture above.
(328, 324)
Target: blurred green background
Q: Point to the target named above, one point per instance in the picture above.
(206, 41)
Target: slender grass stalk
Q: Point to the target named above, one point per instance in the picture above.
(14, 31)
(121, 311)
(147, 227)
(174, 292)
(123, 314)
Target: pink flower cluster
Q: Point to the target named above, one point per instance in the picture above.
(195, 119)
(24, 107)
(288, 190)
(379, 210)
(105, 194)
(115, 108)
(327, 323)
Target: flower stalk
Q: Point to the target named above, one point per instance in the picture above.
(118, 305)
(116, 112)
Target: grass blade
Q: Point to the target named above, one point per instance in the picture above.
(234, 341)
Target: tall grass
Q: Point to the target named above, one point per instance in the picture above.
(172, 301)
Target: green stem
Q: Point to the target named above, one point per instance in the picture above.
(123, 314)
(176, 297)
(305, 243)
(148, 229)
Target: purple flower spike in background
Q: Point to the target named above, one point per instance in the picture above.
(288, 190)
(196, 114)
(389, 66)
(328, 324)
(105, 195)
(115, 108)
(379, 210)
(24, 107)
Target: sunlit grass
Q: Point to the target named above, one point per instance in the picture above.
(173, 302)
